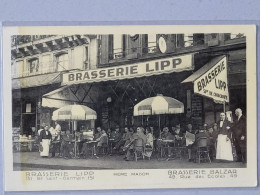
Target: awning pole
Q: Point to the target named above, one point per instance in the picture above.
(224, 106)
(160, 125)
(75, 143)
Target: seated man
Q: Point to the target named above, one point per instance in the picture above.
(165, 135)
(178, 136)
(92, 145)
(201, 134)
(213, 134)
(67, 145)
(190, 139)
(55, 139)
(115, 137)
(126, 136)
(138, 136)
(87, 135)
(102, 141)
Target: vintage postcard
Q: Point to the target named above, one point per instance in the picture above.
(129, 107)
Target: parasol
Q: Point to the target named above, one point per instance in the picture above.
(158, 105)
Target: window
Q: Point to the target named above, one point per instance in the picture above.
(151, 43)
(62, 61)
(47, 66)
(33, 66)
(86, 60)
(116, 46)
(188, 40)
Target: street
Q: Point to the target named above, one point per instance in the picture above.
(32, 161)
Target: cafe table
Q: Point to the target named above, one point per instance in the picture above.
(28, 143)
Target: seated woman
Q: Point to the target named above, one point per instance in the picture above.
(67, 145)
(149, 143)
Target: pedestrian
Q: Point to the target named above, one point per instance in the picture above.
(45, 140)
(224, 147)
(239, 135)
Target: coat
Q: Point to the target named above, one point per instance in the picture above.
(44, 135)
(239, 128)
(223, 130)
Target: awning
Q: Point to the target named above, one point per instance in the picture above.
(36, 80)
(203, 70)
(211, 80)
(68, 95)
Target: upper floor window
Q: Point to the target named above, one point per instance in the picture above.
(33, 66)
(117, 46)
(152, 43)
(62, 61)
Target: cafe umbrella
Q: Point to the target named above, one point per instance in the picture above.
(74, 113)
(158, 105)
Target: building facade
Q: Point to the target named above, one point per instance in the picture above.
(38, 62)
(42, 64)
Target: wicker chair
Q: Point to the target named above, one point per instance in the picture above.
(202, 150)
(139, 149)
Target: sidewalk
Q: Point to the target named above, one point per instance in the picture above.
(32, 161)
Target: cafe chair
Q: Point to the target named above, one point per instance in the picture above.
(148, 149)
(138, 149)
(105, 146)
(202, 150)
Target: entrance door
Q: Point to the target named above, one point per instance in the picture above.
(28, 123)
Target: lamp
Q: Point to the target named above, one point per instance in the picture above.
(109, 100)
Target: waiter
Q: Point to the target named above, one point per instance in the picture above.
(224, 147)
(45, 140)
(239, 135)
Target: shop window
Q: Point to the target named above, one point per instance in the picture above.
(62, 61)
(116, 46)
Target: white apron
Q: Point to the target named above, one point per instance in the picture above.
(46, 147)
(224, 148)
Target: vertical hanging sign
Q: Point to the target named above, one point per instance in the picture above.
(213, 83)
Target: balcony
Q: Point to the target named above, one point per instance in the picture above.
(23, 46)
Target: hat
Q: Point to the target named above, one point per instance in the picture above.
(179, 126)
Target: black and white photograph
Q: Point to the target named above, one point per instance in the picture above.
(172, 100)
